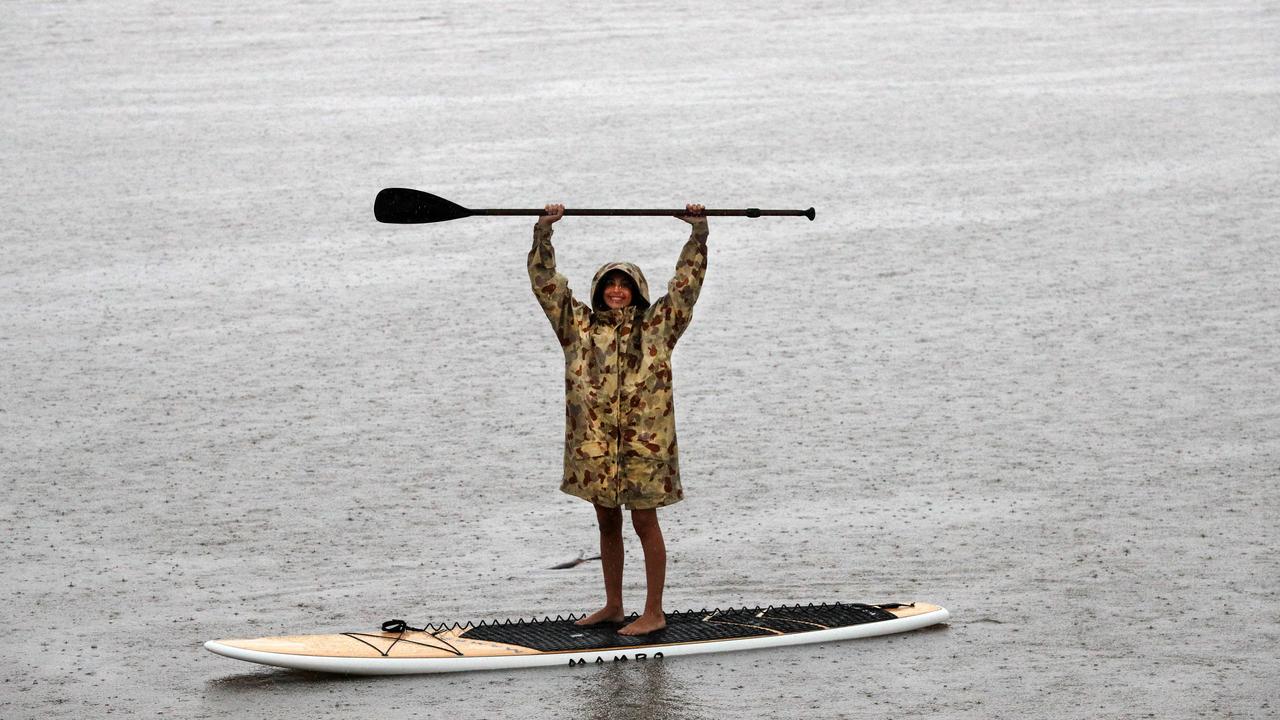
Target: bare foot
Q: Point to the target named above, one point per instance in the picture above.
(605, 614)
(645, 624)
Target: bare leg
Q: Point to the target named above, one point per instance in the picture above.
(610, 520)
(655, 572)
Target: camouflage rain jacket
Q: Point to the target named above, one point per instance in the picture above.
(620, 424)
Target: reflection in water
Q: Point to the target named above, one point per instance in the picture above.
(635, 690)
(273, 678)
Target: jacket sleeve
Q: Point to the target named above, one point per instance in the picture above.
(551, 288)
(671, 314)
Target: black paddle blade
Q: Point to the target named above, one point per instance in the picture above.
(403, 206)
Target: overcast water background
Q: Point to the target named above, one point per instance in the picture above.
(1022, 365)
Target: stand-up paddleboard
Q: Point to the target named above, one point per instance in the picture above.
(400, 649)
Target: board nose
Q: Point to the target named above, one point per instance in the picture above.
(217, 646)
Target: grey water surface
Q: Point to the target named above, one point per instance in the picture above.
(1022, 365)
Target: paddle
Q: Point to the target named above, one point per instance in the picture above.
(402, 205)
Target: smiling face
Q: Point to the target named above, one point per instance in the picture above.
(616, 290)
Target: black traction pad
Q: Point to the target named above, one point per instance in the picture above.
(682, 627)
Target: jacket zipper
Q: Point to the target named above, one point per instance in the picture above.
(617, 397)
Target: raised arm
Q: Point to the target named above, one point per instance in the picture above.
(671, 314)
(550, 287)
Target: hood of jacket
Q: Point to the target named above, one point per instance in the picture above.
(631, 271)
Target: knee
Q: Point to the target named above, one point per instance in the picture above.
(646, 524)
(610, 520)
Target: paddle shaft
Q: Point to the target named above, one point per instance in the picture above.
(636, 212)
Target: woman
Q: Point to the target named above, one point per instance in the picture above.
(620, 434)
